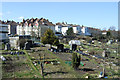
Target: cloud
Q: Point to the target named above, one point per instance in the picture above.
(21, 17)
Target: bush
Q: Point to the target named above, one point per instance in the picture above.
(75, 60)
(2, 47)
(92, 52)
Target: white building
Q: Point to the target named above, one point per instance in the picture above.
(36, 27)
(58, 28)
(4, 33)
(62, 28)
(104, 32)
(77, 29)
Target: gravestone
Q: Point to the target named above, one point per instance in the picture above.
(18, 47)
(73, 47)
(60, 47)
(109, 42)
(104, 54)
(7, 46)
(27, 46)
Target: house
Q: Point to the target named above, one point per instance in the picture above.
(85, 31)
(12, 25)
(63, 27)
(77, 29)
(94, 31)
(4, 33)
(34, 27)
(104, 32)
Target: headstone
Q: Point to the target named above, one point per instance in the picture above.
(52, 50)
(103, 54)
(3, 58)
(77, 42)
(7, 46)
(60, 47)
(27, 46)
(18, 48)
(73, 47)
(109, 42)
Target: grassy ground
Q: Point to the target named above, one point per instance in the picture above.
(19, 67)
(23, 67)
(61, 70)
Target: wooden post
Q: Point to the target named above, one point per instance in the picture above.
(42, 72)
(41, 65)
(103, 66)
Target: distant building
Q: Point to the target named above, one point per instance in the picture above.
(4, 33)
(94, 31)
(34, 27)
(84, 31)
(11, 27)
(63, 27)
(77, 29)
(104, 32)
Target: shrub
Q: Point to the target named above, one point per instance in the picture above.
(75, 60)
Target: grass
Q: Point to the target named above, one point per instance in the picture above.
(66, 46)
(31, 64)
(23, 74)
(68, 68)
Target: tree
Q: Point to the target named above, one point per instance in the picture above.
(108, 34)
(49, 38)
(70, 32)
(33, 35)
(112, 28)
(21, 43)
(75, 60)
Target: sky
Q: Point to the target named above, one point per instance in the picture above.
(100, 15)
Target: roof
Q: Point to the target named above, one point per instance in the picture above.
(3, 25)
(104, 31)
(32, 21)
(62, 24)
(75, 25)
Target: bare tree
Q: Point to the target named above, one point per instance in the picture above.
(112, 28)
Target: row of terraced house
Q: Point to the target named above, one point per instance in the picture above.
(37, 27)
